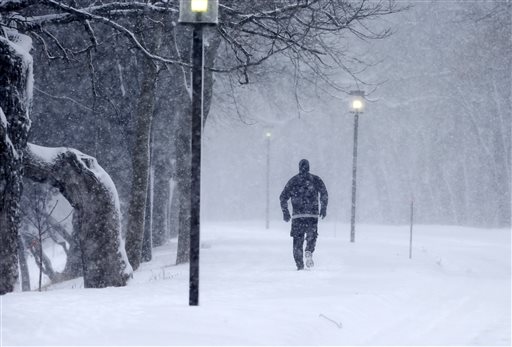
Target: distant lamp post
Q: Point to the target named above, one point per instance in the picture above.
(356, 107)
(268, 136)
(197, 13)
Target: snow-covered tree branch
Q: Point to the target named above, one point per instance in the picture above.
(93, 195)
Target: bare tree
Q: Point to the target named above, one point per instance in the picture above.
(36, 213)
(141, 149)
(38, 225)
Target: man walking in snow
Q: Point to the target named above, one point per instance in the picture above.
(305, 190)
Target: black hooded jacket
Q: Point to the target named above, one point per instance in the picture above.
(304, 190)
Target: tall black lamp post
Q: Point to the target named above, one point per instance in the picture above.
(356, 107)
(197, 13)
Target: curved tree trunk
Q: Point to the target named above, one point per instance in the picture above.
(74, 267)
(91, 192)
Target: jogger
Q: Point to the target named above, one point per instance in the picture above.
(305, 190)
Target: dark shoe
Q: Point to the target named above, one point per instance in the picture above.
(309, 259)
(300, 267)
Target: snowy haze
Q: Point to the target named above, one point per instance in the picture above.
(426, 134)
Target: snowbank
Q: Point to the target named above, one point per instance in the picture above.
(454, 291)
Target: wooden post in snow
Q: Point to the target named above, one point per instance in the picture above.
(410, 239)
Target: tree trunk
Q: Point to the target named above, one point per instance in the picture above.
(25, 275)
(173, 210)
(147, 241)
(39, 257)
(140, 164)
(90, 190)
(161, 197)
(183, 178)
(211, 49)
(44, 264)
(183, 181)
(74, 266)
(15, 102)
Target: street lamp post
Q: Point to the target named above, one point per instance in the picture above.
(357, 107)
(268, 135)
(197, 13)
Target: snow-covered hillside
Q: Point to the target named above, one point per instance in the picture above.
(454, 291)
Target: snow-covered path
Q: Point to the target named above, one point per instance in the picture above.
(455, 291)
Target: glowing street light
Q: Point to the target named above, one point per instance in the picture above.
(199, 5)
(357, 101)
(197, 13)
(356, 107)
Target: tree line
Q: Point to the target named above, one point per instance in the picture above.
(113, 80)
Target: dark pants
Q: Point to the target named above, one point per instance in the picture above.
(303, 228)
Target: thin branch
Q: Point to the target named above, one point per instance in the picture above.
(83, 14)
(59, 45)
(66, 98)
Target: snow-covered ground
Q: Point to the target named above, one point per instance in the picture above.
(454, 291)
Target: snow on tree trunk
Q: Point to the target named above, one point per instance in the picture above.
(15, 101)
(91, 192)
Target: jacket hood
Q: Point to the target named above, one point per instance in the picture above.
(304, 166)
